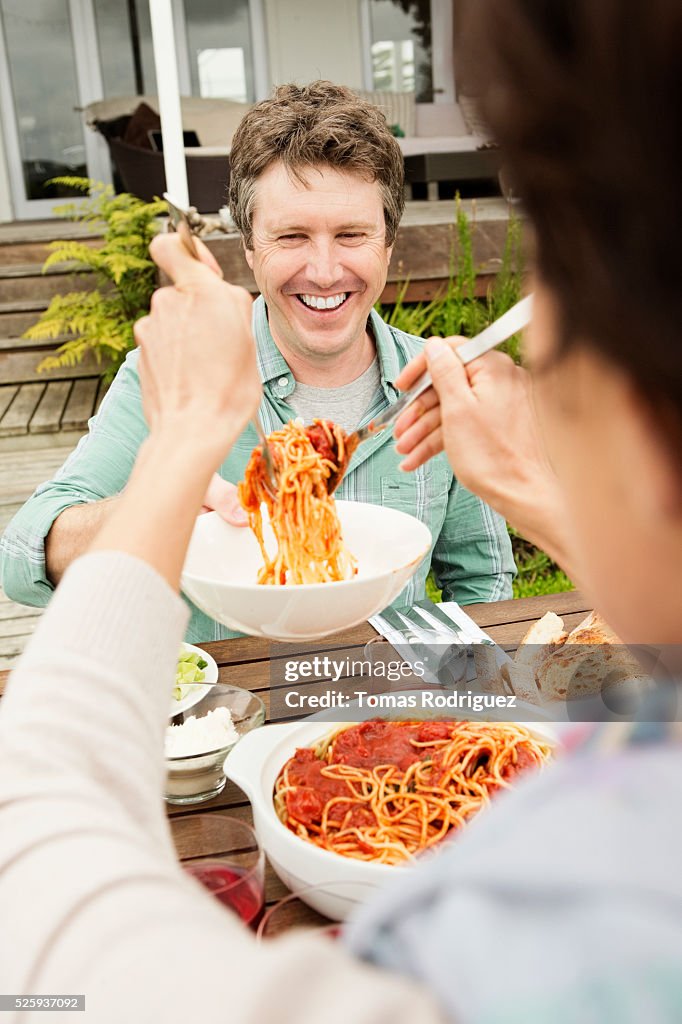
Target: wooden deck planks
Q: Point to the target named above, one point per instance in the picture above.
(48, 416)
(21, 471)
(80, 405)
(7, 395)
(48, 408)
(18, 415)
(22, 367)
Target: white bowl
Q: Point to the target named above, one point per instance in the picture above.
(194, 778)
(223, 561)
(254, 765)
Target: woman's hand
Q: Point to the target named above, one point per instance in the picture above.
(197, 354)
(200, 385)
(483, 416)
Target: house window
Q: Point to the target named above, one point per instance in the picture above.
(400, 43)
(124, 35)
(213, 42)
(220, 49)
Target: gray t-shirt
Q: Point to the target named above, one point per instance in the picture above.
(344, 405)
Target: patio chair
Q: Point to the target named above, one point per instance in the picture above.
(126, 123)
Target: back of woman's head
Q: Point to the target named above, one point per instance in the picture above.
(584, 98)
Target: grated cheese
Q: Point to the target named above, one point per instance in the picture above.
(211, 731)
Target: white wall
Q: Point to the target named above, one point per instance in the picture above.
(309, 39)
(6, 211)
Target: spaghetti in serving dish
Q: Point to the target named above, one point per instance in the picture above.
(385, 791)
(302, 513)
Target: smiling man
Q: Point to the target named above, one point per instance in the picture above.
(317, 192)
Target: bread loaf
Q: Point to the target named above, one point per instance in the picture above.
(567, 666)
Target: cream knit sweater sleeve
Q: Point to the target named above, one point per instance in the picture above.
(92, 900)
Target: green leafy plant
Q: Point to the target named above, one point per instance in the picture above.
(100, 320)
(537, 573)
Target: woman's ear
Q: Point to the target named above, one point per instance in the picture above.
(248, 253)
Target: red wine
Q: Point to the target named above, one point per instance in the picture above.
(239, 889)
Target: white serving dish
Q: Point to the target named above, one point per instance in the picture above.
(223, 561)
(254, 765)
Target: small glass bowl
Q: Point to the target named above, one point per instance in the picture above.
(194, 778)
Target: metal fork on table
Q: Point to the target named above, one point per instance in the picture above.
(180, 222)
(441, 653)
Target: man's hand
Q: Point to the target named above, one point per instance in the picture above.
(197, 355)
(221, 497)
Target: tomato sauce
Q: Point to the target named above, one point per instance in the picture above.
(369, 745)
(320, 442)
(362, 746)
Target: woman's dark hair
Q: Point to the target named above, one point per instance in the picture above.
(584, 98)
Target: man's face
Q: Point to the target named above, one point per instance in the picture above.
(319, 258)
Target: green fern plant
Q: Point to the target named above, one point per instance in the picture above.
(100, 320)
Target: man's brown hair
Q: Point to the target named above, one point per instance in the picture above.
(320, 124)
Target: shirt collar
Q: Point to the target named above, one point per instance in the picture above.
(275, 371)
(272, 366)
(387, 350)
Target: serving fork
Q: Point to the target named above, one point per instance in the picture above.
(180, 222)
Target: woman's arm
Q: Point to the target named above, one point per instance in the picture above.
(91, 897)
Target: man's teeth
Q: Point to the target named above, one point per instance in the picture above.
(320, 302)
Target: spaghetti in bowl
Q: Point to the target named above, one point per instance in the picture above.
(256, 764)
(223, 564)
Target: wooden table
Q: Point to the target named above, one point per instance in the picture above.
(248, 662)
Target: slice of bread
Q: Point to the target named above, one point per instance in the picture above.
(544, 636)
(591, 659)
(488, 676)
(521, 681)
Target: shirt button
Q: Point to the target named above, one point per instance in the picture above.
(283, 381)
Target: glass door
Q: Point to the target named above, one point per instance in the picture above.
(220, 48)
(44, 80)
